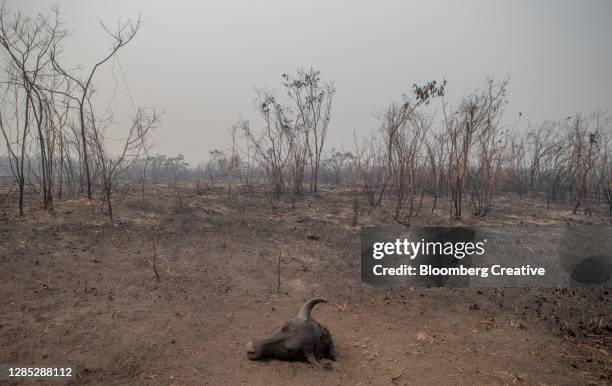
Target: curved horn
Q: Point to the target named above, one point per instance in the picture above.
(304, 313)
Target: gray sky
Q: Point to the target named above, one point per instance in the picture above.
(200, 61)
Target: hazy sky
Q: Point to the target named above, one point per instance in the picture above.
(200, 61)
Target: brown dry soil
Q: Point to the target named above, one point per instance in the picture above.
(79, 290)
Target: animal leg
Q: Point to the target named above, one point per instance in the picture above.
(331, 353)
(312, 360)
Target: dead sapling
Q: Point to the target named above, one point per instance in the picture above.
(155, 262)
(278, 273)
(355, 205)
(179, 200)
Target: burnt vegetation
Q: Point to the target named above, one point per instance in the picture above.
(276, 214)
(56, 142)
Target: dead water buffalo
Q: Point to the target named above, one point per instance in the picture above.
(297, 340)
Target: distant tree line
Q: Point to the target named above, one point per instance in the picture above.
(56, 143)
(469, 155)
(465, 155)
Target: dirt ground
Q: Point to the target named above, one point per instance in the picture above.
(79, 290)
